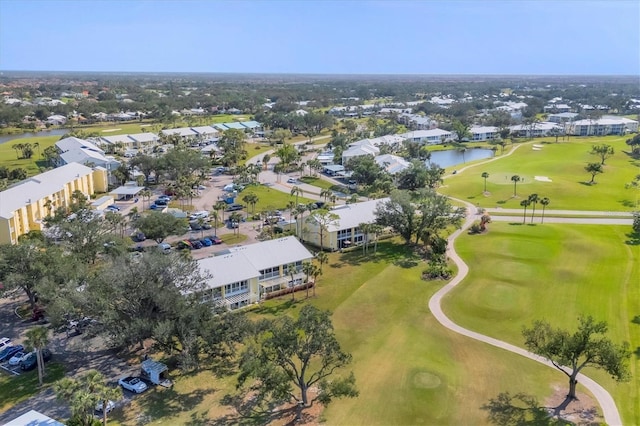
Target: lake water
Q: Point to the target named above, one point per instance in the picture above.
(454, 157)
(54, 132)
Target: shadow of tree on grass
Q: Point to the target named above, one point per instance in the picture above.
(521, 409)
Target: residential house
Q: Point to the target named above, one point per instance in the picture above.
(562, 117)
(56, 120)
(557, 108)
(358, 149)
(135, 141)
(483, 133)
(603, 126)
(429, 137)
(392, 163)
(536, 130)
(417, 122)
(24, 206)
(75, 150)
(345, 231)
(247, 274)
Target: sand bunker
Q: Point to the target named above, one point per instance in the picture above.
(110, 130)
(542, 179)
(537, 149)
(536, 146)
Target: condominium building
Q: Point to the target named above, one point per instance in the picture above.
(247, 274)
(24, 206)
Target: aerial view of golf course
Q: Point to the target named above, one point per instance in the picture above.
(550, 269)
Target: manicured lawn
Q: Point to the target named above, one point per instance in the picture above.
(14, 389)
(554, 272)
(563, 163)
(408, 368)
(316, 181)
(9, 157)
(269, 198)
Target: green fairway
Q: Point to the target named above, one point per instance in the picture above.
(560, 173)
(553, 272)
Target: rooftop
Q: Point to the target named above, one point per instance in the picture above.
(39, 186)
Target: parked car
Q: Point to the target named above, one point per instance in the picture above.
(164, 197)
(206, 242)
(9, 351)
(138, 237)
(110, 406)
(195, 226)
(196, 244)
(184, 244)
(293, 180)
(164, 248)
(234, 207)
(18, 357)
(5, 342)
(133, 384)
(30, 361)
(214, 239)
(156, 207)
(113, 207)
(161, 202)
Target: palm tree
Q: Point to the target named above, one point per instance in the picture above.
(251, 199)
(215, 216)
(316, 272)
(322, 258)
(485, 175)
(297, 191)
(525, 204)
(38, 339)
(145, 194)
(307, 268)
(326, 193)
(533, 199)
(515, 179)
(365, 228)
(220, 206)
(235, 218)
(545, 202)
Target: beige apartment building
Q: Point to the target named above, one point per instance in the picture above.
(24, 206)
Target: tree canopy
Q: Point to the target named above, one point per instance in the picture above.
(570, 353)
(290, 354)
(159, 226)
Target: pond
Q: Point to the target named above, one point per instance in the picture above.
(54, 132)
(454, 157)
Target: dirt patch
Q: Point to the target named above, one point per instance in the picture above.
(310, 416)
(583, 411)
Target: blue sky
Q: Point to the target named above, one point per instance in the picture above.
(328, 37)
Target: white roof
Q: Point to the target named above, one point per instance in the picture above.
(39, 186)
(483, 129)
(544, 125)
(34, 418)
(564, 114)
(183, 131)
(421, 134)
(246, 262)
(73, 143)
(361, 150)
(205, 130)
(351, 215)
(603, 121)
(392, 163)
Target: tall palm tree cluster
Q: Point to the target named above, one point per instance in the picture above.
(532, 200)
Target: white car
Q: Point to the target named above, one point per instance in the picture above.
(17, 358)
(133, 384)
(4, 342)
(110, 406)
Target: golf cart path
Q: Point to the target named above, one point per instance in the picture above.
(606, 402)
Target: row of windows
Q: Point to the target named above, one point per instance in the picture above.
(239, 287)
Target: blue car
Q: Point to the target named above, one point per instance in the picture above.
(206, 242)
(10, 351)
(156, 207)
